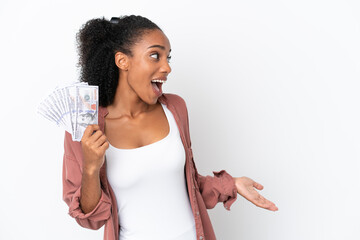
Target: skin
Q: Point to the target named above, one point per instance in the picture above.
(246, 188)
(136, 119)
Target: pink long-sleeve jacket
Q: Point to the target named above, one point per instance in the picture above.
(204, 191)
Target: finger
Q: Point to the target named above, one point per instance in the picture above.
(273, 208)
(105, 145)
(270, 206)
(258, 186)
(100, 141)
(90, 129)
(95, 137)
(265, 203)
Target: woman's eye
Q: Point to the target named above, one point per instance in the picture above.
(155, 54)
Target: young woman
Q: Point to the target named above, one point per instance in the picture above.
(134, 171)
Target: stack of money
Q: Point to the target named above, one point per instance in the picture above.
(72, 107)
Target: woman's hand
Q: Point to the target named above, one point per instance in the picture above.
(94, 144)
(245, 187)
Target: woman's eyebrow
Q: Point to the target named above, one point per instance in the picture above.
(158, 46)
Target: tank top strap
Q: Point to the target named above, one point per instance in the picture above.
(170, 119)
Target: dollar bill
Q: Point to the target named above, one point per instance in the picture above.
(86, 109)
(72, 107)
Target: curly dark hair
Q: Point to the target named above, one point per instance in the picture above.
(97, 42)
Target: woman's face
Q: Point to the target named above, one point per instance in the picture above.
(151, 56)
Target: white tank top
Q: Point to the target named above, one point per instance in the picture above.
(150, 188)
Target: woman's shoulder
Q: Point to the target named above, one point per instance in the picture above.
(175, 99)
(179, 104)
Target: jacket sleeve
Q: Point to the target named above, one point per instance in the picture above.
(218, 188)
(214, 189)
(71, 178)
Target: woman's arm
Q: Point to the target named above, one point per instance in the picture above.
(90, 190)
(224, 188)
(93, 211)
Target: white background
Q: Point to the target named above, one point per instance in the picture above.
(272, 89)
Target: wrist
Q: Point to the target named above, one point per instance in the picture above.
(91, 171)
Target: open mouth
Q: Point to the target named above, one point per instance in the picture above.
(157, 87)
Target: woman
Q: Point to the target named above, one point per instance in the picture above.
(148, 187)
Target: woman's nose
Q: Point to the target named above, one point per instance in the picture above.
(166, 67)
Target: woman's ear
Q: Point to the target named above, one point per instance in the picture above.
(122, 61)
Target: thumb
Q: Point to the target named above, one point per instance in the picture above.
(258, 186)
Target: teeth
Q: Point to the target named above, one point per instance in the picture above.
(158, 80)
